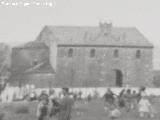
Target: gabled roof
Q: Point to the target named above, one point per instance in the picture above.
(84, 35)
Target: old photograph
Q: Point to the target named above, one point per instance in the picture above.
(79, 60)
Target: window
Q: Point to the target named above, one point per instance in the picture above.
(70, 52)
(138, 54)
(116, 53)
(92, 53)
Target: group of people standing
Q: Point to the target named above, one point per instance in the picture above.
(52, 108)
(127, 101)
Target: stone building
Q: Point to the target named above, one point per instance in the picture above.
(85, 56)
(30, 65)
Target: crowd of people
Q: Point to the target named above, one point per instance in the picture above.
(115, 105)
(50, 106)
(128, 101)
(59, 106)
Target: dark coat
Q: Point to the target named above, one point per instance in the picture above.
(65, 108)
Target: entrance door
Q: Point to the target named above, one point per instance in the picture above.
(119, 78)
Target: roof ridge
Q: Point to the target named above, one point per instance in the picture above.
(81, 26)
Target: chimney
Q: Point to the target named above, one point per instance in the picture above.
(105, 28)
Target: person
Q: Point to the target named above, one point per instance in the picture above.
(121, 101)
(42, 109)
(54, 105)
(52, 95)
(65, 107)
(128, 99)
(141, 93)
(109, 99)
(134, 100)
(43, 95)
(54, 109)
(145, 108)
(89, 97)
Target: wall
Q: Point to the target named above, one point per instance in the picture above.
(23, 58)
(81, 70)
(43, 80)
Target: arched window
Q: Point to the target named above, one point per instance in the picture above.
(138, 54)
(70, 52)
(116, 53)
(92, 53)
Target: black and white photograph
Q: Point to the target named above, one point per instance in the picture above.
(79, 60)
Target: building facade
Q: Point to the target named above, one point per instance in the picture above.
(30, 65)
(100, 56)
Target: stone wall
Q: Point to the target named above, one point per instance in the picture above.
(83, 71)
(39, 80)
(23, 59)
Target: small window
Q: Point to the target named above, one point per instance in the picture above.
(138, 54)
(70, 52)
(92, 53)
(116, 53)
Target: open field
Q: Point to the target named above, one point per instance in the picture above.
(93, 110)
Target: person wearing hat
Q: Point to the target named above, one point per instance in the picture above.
(66, 104)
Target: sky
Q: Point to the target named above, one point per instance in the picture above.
(20, 24)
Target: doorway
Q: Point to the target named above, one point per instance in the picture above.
(119, 78)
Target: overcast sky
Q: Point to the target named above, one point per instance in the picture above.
(19, 24)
